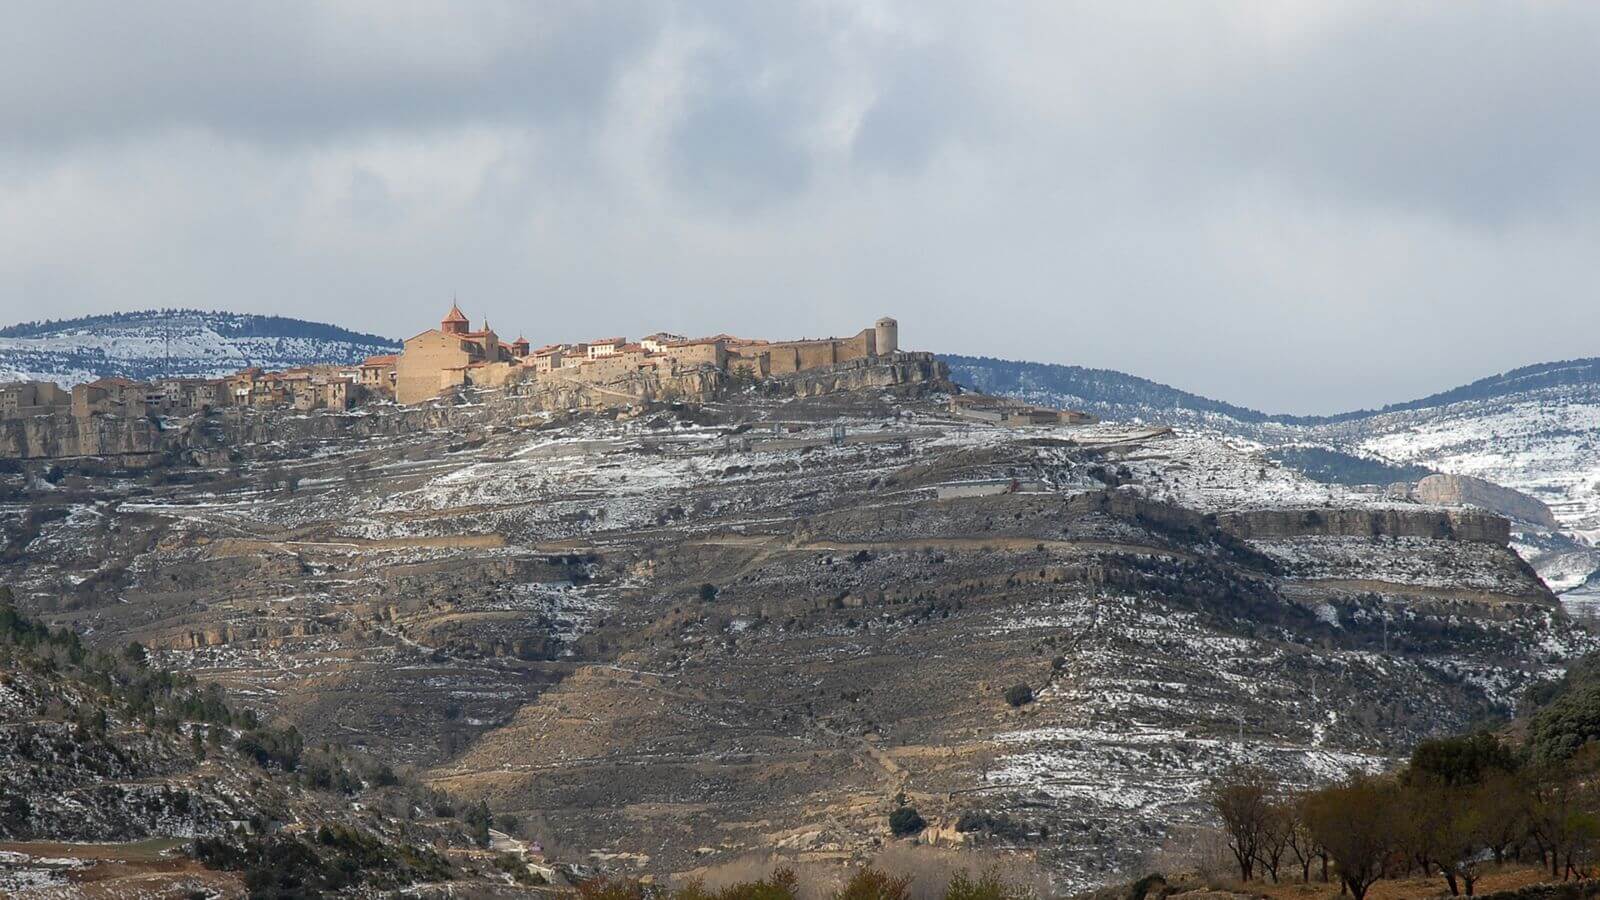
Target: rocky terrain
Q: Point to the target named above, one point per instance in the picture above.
(125, 779)
(1531, 431)
(677, 634)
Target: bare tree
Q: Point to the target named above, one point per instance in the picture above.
(1242, 798)
(1301, 843)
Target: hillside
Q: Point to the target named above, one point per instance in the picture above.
(678, 638)
(155, 343)
(1535, 429)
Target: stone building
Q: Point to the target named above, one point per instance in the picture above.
(453, 355)
(660, 341)
(377, 373)
(547, 357)
(182, 396)
(32, 398)
(605, 347)
(1006, 411)
(110, 397)
(789, 357)
(685, 354)
(443, 357)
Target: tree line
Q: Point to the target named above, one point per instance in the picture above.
(1458, 806)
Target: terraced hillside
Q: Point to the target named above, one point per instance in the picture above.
(764, 623)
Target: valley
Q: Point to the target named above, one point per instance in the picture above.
(689, 633)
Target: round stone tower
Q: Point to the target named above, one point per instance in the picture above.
(886, 336)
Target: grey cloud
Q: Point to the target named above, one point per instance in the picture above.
(1479, 112)
(293, 71)
(1296, 206)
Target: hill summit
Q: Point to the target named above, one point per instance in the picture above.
(152, 343)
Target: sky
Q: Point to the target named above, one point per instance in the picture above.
(1300, 207)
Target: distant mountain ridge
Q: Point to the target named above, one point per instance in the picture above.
(1104, 392)
(1535, 429)
(1099, 390)
(177, 342)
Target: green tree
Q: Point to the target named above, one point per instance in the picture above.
(1358, 821)
(1557, 731)
(478, 819)
(905, 822)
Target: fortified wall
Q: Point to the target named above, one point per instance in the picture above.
(211, 436)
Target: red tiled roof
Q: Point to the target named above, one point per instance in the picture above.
(387, 359)
(455, 315)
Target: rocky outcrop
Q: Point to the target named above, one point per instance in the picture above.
(60, 435)
(1464, 490)
(210, 437)
(897, 371)
(1268, 524)
(1442, 524)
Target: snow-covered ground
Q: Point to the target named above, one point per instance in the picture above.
(1545, 443)
(151, 345)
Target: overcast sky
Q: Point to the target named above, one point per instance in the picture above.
(1302, 207)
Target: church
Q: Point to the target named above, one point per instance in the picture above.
(453, 355)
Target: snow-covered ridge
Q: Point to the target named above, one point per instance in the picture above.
(1535, 430)
(174, 342)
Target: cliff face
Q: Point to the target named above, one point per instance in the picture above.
(899, 371)
(1464, 490)
(61, 436)
(56, 436)
(1441, 524)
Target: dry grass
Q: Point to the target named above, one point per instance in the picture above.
(1507, 878)
(929, 868)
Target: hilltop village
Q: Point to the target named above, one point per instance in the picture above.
(454, 355)
(443, 360)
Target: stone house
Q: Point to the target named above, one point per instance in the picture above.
(377, 373)
(182, 396)
(658, 342)
(110, 397)
(605, 347)
(32, 398)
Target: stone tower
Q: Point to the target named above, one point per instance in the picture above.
(886, 336)
(455, 322)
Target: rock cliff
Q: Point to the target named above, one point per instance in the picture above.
(1464, 490)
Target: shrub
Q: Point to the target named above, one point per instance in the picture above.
(987, 886)
(477, 819)
(1001, 826)
(782, 884)
(272, 748)
(611, 888)
(905, 822)
(875, 884)
(708, 592)
(1019, 695)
